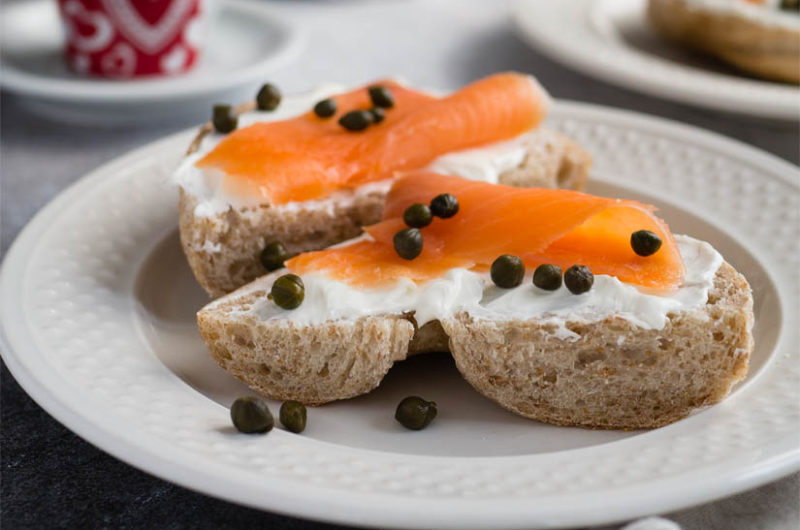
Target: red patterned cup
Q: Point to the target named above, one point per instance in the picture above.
(132, 38)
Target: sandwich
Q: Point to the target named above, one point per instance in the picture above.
(285, 177)
(561, 306)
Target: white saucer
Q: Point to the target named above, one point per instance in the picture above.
(247, 42)
(97, 306)
(611, 40)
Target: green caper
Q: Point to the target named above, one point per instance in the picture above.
(356, 120)
(378, 114)
(418, 215)
(645, 242)
(578, 279)
(381, 96)
(507, 271)
(408, 243)
(251, 415)
(288, 291)
(790, 5)
(293, 416)
(547, 277)
(224, 118)
(268, 98)
(444, 206)
(415, 413)
(325, 108)
(273, 256)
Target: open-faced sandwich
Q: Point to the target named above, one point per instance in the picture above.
(760, 37)
(278, 178)
(563, 307)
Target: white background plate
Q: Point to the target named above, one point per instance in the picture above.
(247, 41)
(611, 40)
(97, 312)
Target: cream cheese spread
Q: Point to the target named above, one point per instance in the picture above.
(485, 163)
(769, 13)
(463, 290)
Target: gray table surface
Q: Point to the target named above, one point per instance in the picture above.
(435, 44)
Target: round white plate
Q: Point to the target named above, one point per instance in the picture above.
(611, 40)
(98, 306)
(245, 43)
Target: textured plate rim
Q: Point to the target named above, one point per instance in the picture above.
(168, 89)
(618, 72)
(396, 511)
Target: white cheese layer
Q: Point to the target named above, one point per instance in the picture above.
(768, 14)
(485, 163)
(463, 290)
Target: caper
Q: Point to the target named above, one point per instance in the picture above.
(224, 118)
(268, 98)
(273, 256)
(378, 114)
(381, 96)
(578, 279)
(507, 271)
(415, 413)
(356, 120)
(547, 277)
(790, 5)
(293, 416)
(418, 215)
(251, 415)
(325, 108)
(645, 242)
(288, 291)
(444, 206)
(408, 243)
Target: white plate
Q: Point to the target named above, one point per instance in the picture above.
(98, 307)
(611, 39)
(246, 42)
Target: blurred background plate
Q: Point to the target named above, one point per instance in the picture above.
(611, 40)
(246, 42)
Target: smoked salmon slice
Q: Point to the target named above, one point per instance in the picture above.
(539, 225)
(308, 157)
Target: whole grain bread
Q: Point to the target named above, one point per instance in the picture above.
(615, 375)
(766, 50)
(223, 249)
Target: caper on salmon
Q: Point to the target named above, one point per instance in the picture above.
(578, 279)
(418, 215)
(645, 242)
(790, 5)
(293, 416)
(378, 114)
(547, 277)
(444, 206)
(251, 415)
(224, 118)
(408, 243)
(507, 271)
(273, 256)
(381, 96)
(288, 291)
(325, 108)
(356, 120)
(415, 413)
(268, 98)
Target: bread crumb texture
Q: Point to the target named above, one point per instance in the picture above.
(615, 376)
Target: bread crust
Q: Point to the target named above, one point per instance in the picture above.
(223, 249)
(615, 376)
(768, 51)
